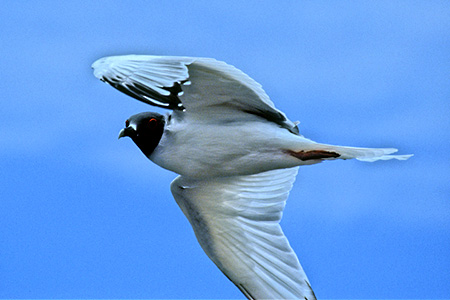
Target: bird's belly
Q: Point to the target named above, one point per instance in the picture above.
(207, 162)
(224, 151)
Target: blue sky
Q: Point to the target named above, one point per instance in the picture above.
(83, 215)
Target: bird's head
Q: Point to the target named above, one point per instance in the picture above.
(145, 129)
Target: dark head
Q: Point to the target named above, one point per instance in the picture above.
(145, 129)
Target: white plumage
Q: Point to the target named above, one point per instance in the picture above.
(236, 221)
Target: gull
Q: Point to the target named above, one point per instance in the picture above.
(237, 157)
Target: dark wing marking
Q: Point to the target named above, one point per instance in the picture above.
(154, 81)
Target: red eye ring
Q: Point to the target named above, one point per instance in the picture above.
(152, 123)
(127, 123)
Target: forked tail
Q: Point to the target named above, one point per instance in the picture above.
(369, 154)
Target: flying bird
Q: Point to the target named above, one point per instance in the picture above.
(237, 157)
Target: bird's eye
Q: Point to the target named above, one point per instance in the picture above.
(127, 123)
(152, 123)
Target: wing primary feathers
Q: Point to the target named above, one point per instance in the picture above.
(147, 95)
(312, 291)
(242, 288)
(245, 292)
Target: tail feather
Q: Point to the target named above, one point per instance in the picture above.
(364, 154)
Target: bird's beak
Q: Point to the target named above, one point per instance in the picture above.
(126, 131)
(122, 133)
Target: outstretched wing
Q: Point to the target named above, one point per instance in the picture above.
(203, 87)
(236, 221)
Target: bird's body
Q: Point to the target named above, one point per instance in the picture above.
(237, 156)
(222, 151)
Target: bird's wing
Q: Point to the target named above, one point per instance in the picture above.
(202, 87)
(236, 221)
